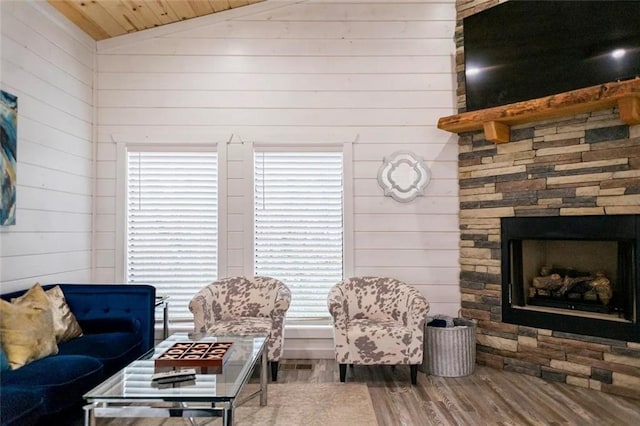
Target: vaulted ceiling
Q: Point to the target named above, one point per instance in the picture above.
(103, 19)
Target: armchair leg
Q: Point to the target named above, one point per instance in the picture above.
(414, 374)
(274, 371)
(343, 372)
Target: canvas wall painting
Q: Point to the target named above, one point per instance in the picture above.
(8, 156)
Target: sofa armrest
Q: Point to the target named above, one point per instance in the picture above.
(282, 302)
(417, 310)
(205, 307)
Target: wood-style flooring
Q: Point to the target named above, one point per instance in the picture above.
(487, 397)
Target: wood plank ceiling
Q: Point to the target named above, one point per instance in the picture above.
(103, 19)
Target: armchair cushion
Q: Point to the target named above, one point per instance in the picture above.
(379, 342)
(244, 325)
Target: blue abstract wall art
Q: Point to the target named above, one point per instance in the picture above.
(8, 156)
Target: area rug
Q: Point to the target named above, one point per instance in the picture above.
(288, 405)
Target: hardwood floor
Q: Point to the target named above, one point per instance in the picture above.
(487, 397)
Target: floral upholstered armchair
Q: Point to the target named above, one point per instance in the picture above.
(241, 305)
(377, 321)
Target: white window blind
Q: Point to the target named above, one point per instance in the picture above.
(172, 226)
(299, 226)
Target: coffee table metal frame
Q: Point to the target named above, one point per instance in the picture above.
(129, 392)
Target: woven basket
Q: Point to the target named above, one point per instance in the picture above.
(450, 351)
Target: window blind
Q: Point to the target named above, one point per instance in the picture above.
(172, 226)
(299, 226)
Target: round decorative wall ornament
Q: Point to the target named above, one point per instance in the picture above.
(403, 176)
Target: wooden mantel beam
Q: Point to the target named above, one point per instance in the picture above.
(496, 121)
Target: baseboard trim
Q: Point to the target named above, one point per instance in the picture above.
(309, 354)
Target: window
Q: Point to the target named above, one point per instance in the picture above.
(172, 227)
(299, 225)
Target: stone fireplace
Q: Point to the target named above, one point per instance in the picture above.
(571, 167)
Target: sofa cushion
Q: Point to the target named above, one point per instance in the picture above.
(19, 407)
(61, 380)
(115, 350)
(26, 328)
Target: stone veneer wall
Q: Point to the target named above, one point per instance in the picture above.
(587, 164)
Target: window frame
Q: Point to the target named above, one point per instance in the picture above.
(125, 144)
(347, 205)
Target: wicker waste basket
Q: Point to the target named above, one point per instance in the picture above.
(450, 351)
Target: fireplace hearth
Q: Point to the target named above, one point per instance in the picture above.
(574, 274)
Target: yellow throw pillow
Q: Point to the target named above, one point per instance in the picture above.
(65, 323)
(26, 328)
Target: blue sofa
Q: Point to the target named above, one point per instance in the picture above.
(117, 322)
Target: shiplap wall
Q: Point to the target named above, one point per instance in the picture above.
(377, 73)
(49, 64)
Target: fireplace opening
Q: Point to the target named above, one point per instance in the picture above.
(576, 274)
(580, 276)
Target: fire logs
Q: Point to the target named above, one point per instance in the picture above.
(551, 282)
(602, 286)
(559, 283)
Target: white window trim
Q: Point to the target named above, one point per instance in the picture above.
(347, 201)
(126, 143)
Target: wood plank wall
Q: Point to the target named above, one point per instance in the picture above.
(48, 63)
(376, 73)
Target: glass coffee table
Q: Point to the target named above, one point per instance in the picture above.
(131, 392)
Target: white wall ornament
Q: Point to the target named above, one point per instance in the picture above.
(403, 176)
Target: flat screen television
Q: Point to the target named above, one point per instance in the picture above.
(521, 50)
